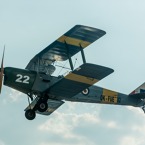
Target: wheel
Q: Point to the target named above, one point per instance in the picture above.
(30, 114)
(42, 106)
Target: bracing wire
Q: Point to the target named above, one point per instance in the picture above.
(77, 60)
(62, 67)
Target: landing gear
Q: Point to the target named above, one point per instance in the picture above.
(30, 114)
(38, 104)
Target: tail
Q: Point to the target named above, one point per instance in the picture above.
(139, 90)
(139, 94)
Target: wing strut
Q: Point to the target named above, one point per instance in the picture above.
(69, 56)
(83, 54)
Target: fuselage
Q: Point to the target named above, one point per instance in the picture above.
(104, 96)
(27, 81)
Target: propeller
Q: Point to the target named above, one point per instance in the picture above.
(2, 70)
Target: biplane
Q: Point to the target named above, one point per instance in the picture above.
(47, 92)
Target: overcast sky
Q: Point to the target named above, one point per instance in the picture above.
(27, 27)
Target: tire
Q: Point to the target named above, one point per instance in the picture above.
(42, 106)
(30, 114)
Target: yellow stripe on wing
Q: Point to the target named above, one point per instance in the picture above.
(81, 79)
(73, 41)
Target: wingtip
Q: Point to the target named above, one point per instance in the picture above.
(112, 70)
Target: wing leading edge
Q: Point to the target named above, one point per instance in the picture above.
(75, 39)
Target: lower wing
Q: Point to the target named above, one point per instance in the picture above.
(78, 80)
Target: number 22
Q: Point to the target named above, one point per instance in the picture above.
(22, 79)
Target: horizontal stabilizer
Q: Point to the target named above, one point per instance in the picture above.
(138, 96)
(52, 106)
(78, 80)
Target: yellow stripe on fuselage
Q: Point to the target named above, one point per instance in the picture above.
(109, 93)
(81, 79)
(73, 41)
(110, 96)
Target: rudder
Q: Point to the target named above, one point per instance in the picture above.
(140, 89)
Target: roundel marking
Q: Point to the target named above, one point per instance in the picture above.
(85, 92)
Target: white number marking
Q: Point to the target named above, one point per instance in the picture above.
(19, 79)
(26, 81)
(22, 79)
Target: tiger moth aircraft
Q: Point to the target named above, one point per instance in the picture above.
(47, 92)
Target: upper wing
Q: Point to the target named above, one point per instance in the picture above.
(52, 106)
(78, 36)
(78, 80)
